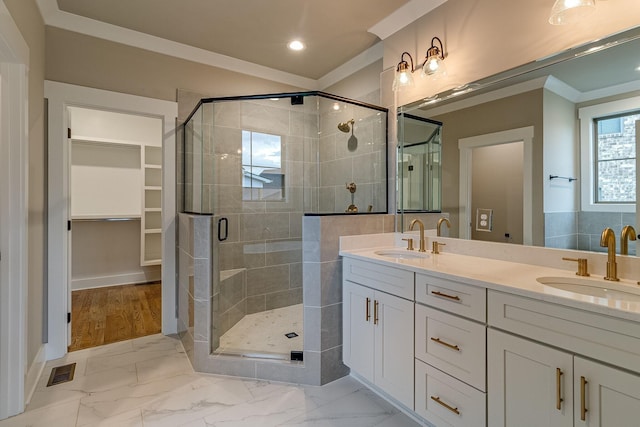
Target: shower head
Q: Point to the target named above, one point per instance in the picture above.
(345, 127)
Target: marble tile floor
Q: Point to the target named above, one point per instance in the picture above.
(148, 382)
(263, 333)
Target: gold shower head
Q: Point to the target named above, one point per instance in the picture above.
(345, 127)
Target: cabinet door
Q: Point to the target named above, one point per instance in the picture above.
(357, 329)
(610, 397)
(527, 383)
(394, 358)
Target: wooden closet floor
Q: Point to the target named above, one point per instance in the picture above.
(115, 313)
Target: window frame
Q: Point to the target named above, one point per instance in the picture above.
(282, 168)
(586, 116)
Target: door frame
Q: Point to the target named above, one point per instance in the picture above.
(61, 96)
(466, 146)
(14, 212)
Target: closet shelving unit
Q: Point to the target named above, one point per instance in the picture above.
(151, 235)
(118, 178)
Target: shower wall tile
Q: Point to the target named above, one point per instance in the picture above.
(226, 140)
(331, 282)
(312, 277)
(283, 252)
(227, 114)
(233, 290)
(202, 278)
(331, 332)
(227, 169)
(256, 304)
(295, 275)
(331, 365)
(202, 236)
(262, 227)
(336, 172)
(295, 224)
(268, 279)
(231, 256)
(283, 298)
(264, 118)
(312, 318)
(202, 322)
(224, 365)
(296, 373)
(327, 148)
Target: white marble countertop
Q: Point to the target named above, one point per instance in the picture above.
(513, 277)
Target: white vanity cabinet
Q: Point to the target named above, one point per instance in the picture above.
(450, 352)
(378, 327)
(533, 384)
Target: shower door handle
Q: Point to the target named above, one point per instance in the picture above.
(223, 234)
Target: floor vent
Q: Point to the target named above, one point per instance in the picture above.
(61, 374)
(291, 335)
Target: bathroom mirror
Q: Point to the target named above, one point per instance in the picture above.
(546, 98)
(419, 166)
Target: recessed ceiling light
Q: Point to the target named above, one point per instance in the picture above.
(296, 45)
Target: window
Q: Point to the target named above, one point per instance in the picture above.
(615, 155)
(608, 155)
(262, 174)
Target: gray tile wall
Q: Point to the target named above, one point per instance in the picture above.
(561, 230)
(591, 224)
(320, 274)
(194, 280)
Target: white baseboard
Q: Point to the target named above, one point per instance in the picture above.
(150, 275)
(33, 374)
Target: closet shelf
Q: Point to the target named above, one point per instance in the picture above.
(107, 218)
(153, 231)
(153, 187)
(152, 166)
(153, 209)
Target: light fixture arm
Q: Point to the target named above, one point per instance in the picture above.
(403, 65)
(434, 50)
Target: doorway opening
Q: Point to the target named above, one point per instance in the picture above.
(480, 218)
(115, 188)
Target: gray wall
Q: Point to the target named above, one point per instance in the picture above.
(27, 17)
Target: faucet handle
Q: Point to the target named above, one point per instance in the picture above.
(582, 266)
(435, 247)
(409, 241)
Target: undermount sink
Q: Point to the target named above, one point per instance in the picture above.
(401, 254)
(593, 287)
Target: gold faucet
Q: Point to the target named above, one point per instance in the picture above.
(422, 244)
(440, 221)
(628, 233)
(608, 239)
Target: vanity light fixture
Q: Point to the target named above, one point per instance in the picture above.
(570, 11)
(403, 76)
(433, 65)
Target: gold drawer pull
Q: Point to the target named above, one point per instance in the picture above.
(375, 312)
(558, 389)
(451, 408)
(440, 294)
(446, 344)
(583, 404)
(368, 315)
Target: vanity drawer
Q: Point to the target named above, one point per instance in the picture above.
(452, 344)
(598, 336)
(392, 280)
(455, 297)
(443, 400)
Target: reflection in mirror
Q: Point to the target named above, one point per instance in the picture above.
(562, 98)
(419, 165)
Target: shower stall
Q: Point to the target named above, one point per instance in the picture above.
(258, 165)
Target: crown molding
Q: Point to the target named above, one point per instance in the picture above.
(404, 16)
(54, 17)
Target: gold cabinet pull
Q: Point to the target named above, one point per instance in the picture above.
(446, 344)
(440, 294)
(583, 404)
(558, 389)
(375, 312)
(368, 315)
(451, 408)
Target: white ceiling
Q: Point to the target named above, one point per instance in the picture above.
(248, 35)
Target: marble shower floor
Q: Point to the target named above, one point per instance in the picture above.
(148, 382)
(264, 333)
